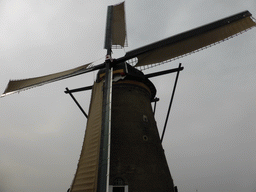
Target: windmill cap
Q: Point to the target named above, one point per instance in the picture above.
(123, 72)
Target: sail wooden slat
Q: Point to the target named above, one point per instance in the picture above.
(191, 41)
(23, 84)
(118, 25)
(87, 169)
(195, 43)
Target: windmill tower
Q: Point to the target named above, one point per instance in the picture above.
(119, 162)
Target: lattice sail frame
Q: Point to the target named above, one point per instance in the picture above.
(134, 61)
(155, 54)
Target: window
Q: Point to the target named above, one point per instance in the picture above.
(145, 118)
(119, 181)
(119, 186)
(118, 189)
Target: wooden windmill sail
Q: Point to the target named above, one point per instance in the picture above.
(95, 171)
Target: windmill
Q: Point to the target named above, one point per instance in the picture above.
(141, 53)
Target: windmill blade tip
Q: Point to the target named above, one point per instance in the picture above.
(8, 93)
(3, 95)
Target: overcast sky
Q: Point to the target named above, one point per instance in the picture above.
(211, 137)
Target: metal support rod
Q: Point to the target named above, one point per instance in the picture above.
(79, 89)
(164, 72)
(68, 91)
(155, 100)
(104, 165)
(109, 126)
(169, 109)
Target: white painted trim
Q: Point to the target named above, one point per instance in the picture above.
(112, 186)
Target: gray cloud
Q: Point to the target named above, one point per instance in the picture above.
(209, 143)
